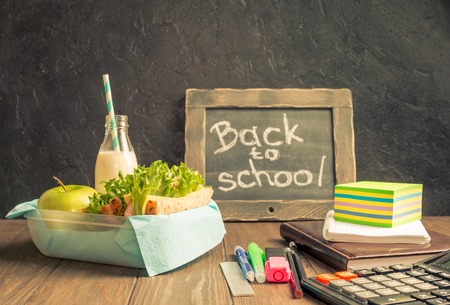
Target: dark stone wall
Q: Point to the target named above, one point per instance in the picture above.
(393, 55)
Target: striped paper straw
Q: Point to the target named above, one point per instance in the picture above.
(112, 118)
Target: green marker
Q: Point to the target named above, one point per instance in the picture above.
(256, 255)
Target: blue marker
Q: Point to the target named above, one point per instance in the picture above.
(246, 268)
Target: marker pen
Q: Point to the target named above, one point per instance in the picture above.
(256, 255)
(246, 268)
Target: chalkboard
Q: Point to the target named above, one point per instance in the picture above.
(271, 154)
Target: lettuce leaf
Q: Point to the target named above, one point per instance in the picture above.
(157, 179)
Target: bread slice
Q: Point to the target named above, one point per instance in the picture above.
(158, 205)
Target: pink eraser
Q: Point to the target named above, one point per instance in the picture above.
(277, 269)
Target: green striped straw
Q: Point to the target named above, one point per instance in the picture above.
(112, 118)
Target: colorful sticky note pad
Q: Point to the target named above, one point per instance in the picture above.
(380, 204)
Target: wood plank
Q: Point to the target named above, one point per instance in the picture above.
(23, 269)
(198, 282)
(246, 210)
(87, 283)
(11, 228)
(437, 223)
(265, 234)
(264, 97)
(344, 145)
(27, 276)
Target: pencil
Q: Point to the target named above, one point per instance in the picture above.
(294, 281)
(297, 261)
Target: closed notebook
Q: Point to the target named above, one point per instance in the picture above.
(350, 256)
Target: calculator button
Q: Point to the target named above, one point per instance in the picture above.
(422, 296)
(443, 293)
(426, 287)
(432, 270)
(401, 267)
(379, 278)
(392, 283)
(365, 295)
(388, 300)
(338, 284)
(398, 275)
(352, 289)
(406, 289)
(437, 302)
(416, 272)
(386, 292)
(360, 281)
(346, 275)
(442, 284)
(325, 278)
(445, 275)
(364, 272)
(411, 281)
(429, 278)
(382, 270)
(373, 286)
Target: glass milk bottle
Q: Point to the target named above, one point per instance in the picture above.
(110, 162)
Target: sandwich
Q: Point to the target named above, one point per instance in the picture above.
(154, 190)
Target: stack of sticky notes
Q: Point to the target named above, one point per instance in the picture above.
(381, 204)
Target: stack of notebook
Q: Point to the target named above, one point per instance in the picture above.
(349, 246)
(410, 233)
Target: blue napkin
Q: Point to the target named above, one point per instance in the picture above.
(158, 243)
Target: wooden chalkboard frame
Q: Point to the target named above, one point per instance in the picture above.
(198, 101)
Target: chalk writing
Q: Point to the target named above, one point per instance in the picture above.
(267, 142)
(249, 136)
(281, 179)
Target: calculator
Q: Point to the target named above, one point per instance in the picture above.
(425, 282)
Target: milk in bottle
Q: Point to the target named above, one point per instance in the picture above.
(109, 161)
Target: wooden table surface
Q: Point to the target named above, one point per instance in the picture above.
(28, 277)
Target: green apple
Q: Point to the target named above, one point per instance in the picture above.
(72, 198)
